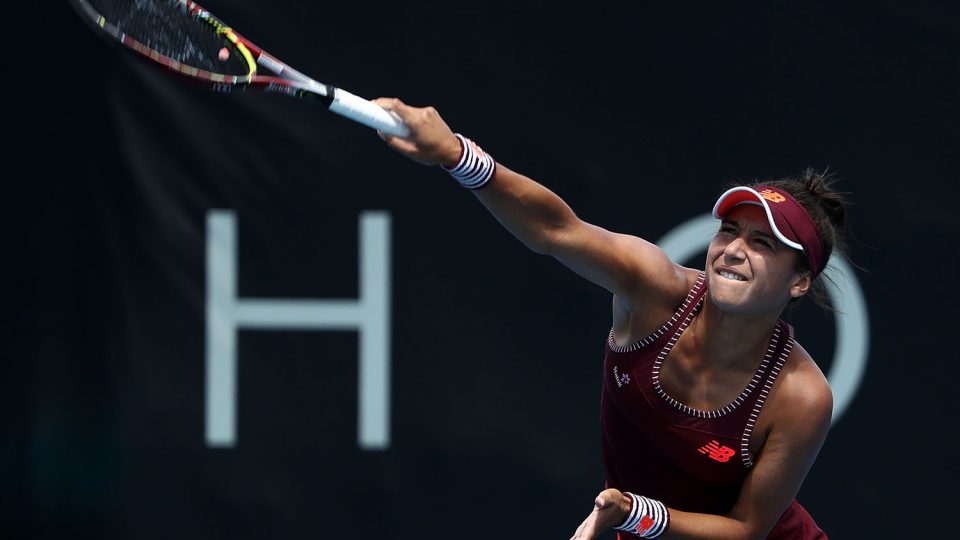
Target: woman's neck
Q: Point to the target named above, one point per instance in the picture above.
(730, 339)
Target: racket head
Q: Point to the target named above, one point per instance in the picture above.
(189, 41)
(178, 35)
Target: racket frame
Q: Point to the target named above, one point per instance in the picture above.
(285, 79)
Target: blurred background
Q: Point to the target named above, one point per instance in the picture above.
(143, 211)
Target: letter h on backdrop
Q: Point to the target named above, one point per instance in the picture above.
(369, 315)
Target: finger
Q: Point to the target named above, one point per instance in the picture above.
(385, 102)
(586, 529)
(401, 145)
(579, 531)
(404, 111)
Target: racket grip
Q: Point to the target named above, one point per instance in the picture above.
(367, 113)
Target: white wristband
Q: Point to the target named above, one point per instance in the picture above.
(648, 518)
(475, 167)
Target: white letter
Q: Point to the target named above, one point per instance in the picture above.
(370, 315)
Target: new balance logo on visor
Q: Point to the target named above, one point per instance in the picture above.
(714, 451)
(772, 196)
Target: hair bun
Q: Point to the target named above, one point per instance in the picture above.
(830, 201)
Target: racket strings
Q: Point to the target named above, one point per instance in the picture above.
(164, 27)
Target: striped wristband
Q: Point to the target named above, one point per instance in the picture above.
(648, 517)
(475, 167)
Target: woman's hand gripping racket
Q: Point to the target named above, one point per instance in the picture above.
(189, 41)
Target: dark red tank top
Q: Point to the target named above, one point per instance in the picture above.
(690, 459)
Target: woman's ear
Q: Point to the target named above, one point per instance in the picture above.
(801, 285)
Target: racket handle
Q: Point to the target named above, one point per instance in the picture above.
(367, 113)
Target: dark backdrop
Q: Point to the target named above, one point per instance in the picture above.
(636, 114)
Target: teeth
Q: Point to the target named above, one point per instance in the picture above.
(731, 275)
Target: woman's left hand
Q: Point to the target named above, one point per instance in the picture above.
(610, 508)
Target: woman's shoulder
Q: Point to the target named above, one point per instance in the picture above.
(800, 405)
(802, 391)
(675, 289)
(692, 277)
(636, 320)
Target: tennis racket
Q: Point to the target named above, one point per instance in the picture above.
(189, 41)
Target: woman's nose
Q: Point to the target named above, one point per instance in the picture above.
(735, 248)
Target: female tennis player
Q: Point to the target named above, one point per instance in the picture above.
(711, 413)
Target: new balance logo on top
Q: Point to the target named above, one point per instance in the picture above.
(714, 451)
(621, 379)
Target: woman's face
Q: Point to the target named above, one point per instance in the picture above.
(749, 271)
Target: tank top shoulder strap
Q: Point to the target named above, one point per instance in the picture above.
(781, 344)
(690, 303)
